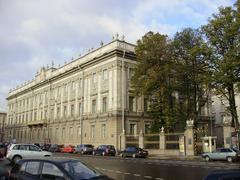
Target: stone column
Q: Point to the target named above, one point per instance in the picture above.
(162, 143)
(141, 140)
(227, 129)
(189, 134)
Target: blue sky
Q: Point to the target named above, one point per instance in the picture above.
(35, 33)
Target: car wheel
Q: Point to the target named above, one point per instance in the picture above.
(229, 159)
(134, 155)
(16, 159)
(207, 158)
(103, 153)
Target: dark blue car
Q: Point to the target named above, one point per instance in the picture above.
(105, 150)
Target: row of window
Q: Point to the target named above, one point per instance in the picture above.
(32, 116)
(62, 133)
(28, 102)
(43, 134)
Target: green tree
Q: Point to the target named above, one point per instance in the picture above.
(193, 76)
(223, 35)
(154, 78)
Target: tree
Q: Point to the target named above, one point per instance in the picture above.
(193, 76)
(223, 35)
(154, 78)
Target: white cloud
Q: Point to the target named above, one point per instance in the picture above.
(35, 33)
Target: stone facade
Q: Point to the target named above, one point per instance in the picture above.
(3, 118)
(80, 102)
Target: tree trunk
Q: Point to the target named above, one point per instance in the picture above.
(232, 104)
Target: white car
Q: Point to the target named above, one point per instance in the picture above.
(22, 151)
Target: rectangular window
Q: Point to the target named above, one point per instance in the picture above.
(79, 108)
(79, 131)
(133, 128)
(131, 103)
(45, 114)
(58, 112)
(65, 111)
(52, 114)
(147, 128)
(65, 88)
(50, 133)
(56, 133)
(92, 131)
(145, 105)
(80, 83)
(130, 73)
(104, 104)
(72, 110)
(105, 74)
(23, 118)
(71, 131)
(73, 86)
(35, 115)
(94, 106)
(63, 133)
(94, 80)
(103, 130)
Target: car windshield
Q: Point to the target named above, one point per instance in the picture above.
(235, 149)
(88, 145)
(79, 170)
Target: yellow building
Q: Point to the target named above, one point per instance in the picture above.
(88, 100)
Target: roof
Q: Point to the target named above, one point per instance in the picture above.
(51, 159)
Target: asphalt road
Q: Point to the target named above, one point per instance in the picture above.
(134, 169)
(152, 169)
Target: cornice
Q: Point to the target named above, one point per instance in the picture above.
(94, 61)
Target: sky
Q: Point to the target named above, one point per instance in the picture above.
(34, 33)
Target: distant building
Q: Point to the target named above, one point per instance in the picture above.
(80, 102)
(3, 118)
(223, 117)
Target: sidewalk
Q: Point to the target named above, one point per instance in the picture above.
(172, 157)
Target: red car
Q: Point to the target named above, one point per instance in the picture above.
(68, 149)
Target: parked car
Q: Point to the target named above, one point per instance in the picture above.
(61, 169)
(68, 149)
(134, 152)
(45, 147)
(55, 148)
(228, 154)
(22, 151)
(232, 174)
(3, 150)
(37, 144)
(104, 150)
(84, 149)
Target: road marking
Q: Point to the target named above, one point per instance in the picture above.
(159, 178)
(118, 171)
(148, 177)
(127, 173)
(136, 174)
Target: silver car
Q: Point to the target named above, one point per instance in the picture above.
(16, 152)
(229, 154)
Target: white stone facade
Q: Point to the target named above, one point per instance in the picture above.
(80, 102)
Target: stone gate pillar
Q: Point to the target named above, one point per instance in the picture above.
(162, 144)
(189, 134)
(227, 129)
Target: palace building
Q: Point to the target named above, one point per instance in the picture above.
(89, 100)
